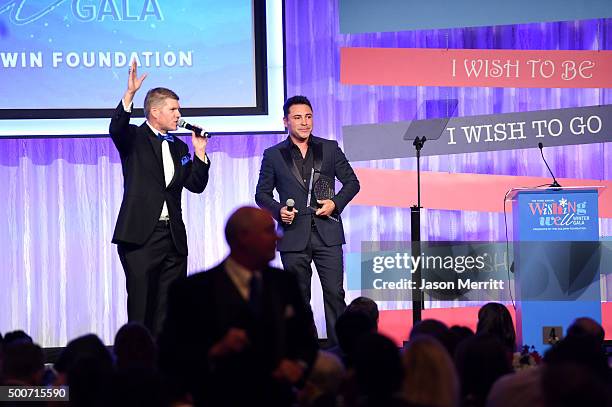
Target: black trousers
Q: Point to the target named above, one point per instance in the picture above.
(330, 267)
(150, 269)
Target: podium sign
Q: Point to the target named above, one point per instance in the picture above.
(557, 261)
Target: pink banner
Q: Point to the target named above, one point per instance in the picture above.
(479, 192)
(476, 67)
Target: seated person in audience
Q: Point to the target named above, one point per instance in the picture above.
(22, 364)
(367, 306)
(576, 373)
(17, 335)
(134, 347)
(517, 389)
(480, 361)
(587, 327)
(323, 383)
(350, 326)
(583, 345)
(375, 378)
(430, 378)
(86, 367)
(495, 319)
(458, 334)
(436, 329)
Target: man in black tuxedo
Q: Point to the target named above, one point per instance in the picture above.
(239, 334)
(308, 234)
(150, 233)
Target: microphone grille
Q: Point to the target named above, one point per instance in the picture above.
(181, 123)
(290, 202)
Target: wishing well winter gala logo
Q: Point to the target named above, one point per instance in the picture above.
(553, 214)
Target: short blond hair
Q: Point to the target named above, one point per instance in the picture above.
(156, 97)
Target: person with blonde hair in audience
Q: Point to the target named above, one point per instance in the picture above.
(323, 383)
(430, 378)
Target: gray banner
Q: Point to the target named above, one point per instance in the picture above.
(508, 131)
(359, 16)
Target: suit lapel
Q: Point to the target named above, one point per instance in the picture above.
(286, 153)
(175, 160)
(232, 308)
(156, 150)
(228, 289)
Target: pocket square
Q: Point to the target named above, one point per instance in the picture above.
(186, 158)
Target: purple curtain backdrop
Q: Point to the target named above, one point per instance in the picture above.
(60, 275)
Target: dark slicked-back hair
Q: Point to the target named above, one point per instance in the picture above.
(16, 336)
(156, 96)
(134, 347)
(295, 100)
(367, 306)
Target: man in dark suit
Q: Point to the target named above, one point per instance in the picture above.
(292, 167)
(239, 334)
(150, 233)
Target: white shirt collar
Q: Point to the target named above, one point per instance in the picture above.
(153, 128)
(240, 276)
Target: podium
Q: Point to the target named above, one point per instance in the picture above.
(556, 261)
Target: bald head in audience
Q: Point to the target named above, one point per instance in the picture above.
(587, 327)
(251, 235)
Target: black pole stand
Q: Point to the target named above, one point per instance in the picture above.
(418, 302)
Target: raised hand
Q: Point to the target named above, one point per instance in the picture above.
(134, 83)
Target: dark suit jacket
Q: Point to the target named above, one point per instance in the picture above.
(279, 171)
(201, 310)
(144, 186)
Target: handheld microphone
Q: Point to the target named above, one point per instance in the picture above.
(290, 205)
(198, 131)
(555, 184)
